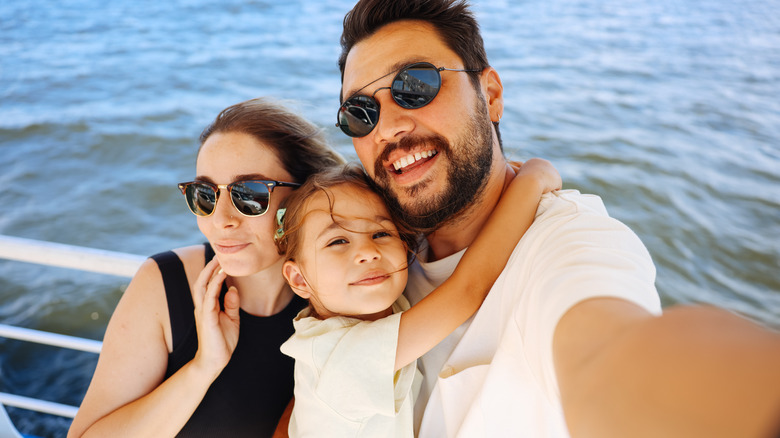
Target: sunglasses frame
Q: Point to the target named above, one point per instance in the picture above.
(371, 98)
(217, 188)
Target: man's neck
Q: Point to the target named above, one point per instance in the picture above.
(460, 232)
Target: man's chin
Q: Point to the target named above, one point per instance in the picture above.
(422, 213)
(413, 193)
(415, 199)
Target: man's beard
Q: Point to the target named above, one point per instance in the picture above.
(469, 167)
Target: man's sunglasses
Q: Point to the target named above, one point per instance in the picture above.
(414, 86)
(251, 198)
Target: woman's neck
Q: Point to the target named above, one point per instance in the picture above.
(264, 293)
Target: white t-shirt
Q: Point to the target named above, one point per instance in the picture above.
(494, 376)
(345, 384)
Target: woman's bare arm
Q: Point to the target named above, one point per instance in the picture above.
(127, 395)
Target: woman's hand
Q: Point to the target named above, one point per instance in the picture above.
(217, 330)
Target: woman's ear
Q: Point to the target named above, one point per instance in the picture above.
(292, 273)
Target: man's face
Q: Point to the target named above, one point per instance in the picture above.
(432, 162)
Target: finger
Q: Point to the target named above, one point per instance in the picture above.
(232, 303)
(203, 280)
(213, 288)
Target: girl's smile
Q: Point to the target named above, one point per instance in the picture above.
(352, 260)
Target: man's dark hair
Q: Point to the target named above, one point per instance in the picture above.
(452, 19)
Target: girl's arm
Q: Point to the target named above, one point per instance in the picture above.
(451, 304)
(127, 396)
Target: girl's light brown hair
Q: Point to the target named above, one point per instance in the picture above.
(289, 242)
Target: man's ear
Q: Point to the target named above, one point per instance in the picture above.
(292, 273)
(494, 93)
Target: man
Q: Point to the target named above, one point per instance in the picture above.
(571, 338)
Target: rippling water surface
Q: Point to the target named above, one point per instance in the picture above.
(666, 109)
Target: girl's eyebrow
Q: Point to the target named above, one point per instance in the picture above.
(378, 219)
(328, 228)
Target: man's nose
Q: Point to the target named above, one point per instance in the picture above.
(394, 121)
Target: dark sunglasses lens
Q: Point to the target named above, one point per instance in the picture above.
(416, 86)
(201, 198)
(250, 198)
(358, 115)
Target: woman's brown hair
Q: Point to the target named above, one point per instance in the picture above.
(298, 143)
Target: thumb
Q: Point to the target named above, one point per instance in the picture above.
(232, 303)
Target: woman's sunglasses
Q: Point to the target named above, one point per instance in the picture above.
(414, 86)
(251, 198)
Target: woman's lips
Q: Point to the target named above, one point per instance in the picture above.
(229, 248)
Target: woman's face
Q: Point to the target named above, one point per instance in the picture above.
(243, 245)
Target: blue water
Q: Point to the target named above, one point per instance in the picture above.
(666, 109)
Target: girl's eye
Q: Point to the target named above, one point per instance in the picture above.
(335, 242)
(380, 234)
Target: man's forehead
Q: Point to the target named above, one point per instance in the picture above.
(360, 76)
(390, 48)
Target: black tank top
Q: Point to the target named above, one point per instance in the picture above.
(251, 393)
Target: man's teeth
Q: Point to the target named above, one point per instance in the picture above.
(411, 158)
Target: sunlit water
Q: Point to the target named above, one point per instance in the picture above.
(666, 109)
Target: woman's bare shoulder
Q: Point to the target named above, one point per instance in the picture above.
(190, 254)
(145, 296)
(194, 259)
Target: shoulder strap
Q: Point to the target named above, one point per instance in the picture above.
(177, 292)
(209, 252)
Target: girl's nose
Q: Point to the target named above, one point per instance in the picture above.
(367, 251)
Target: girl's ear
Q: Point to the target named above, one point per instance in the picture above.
(292, 273)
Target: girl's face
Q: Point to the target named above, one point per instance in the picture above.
(243, 245)
(354, 267)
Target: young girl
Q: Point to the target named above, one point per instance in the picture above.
(357, 343)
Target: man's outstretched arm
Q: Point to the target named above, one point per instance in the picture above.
(694, 371)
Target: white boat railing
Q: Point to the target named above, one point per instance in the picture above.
(48, 338)
(69, 256)
(64, 256)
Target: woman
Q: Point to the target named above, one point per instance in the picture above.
(166, 369)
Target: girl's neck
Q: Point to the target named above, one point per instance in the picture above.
(379, 315)
(323, 314)
(264, 293)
